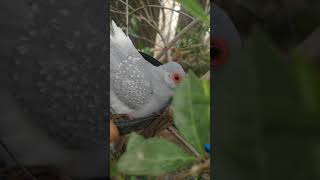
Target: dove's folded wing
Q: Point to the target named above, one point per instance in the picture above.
(130, 74)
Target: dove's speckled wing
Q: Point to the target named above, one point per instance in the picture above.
(130, 75)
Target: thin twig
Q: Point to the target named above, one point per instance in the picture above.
(154, 27)
(162, 7)
(143, 38)
(118, 12)
(126, 4)
(174, 132)
(177, 37)
(127, 17)
(195, 170)
(12, 156)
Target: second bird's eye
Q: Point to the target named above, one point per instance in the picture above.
(219, 52)
(176, 77)
(214, 52)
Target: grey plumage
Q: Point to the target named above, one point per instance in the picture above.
(137, 87)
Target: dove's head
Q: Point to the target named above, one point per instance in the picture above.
(174, 73)
(225, 42)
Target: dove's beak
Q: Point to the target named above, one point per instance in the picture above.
(176, 78)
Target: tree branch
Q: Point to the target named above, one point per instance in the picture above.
(177, 37)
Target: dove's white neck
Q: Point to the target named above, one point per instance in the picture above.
(167, 89)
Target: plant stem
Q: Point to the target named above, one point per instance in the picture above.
(174, 131)
(177, 37)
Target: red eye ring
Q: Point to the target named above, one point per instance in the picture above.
(176, 77)
(219, 52)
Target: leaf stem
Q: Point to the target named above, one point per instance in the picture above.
(174, 132)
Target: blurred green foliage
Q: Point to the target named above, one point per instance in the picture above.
(267, 111)
(287, 22)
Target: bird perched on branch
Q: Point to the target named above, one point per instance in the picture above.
(138, 88)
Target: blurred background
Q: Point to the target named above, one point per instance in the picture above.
(289, 22)
(266, 98)
(154, 24)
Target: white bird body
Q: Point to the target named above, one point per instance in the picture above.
(137, 88)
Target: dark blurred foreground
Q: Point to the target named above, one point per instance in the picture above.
(267, 98)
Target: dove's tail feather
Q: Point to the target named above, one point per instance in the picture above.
(119, 41)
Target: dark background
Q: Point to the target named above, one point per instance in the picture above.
(54, 83)
(262, 129)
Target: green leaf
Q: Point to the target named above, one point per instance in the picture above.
(258, 106)
(206, 87)
(194, 8)
(134, 141)
(308, 80)
(191, 107)
(152, 156)
(113, 169)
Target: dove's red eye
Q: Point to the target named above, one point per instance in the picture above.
(219, 52)
(176, 77)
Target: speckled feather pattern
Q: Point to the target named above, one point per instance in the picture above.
(129, 83)
(137, 87)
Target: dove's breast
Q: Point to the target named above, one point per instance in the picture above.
(129, 84)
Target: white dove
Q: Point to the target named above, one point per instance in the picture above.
(137, 88)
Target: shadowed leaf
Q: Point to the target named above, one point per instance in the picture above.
(152, 156)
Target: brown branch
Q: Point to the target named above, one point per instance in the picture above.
(13, 157)
(174, 132)
(177, 37)
(195, 170)
(162, 7)
(155, 28)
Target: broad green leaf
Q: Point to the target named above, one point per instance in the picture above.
(191, 107)
(206, 87)
(152, 156)
(194, 8)
(114, 173)
(134, 141)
